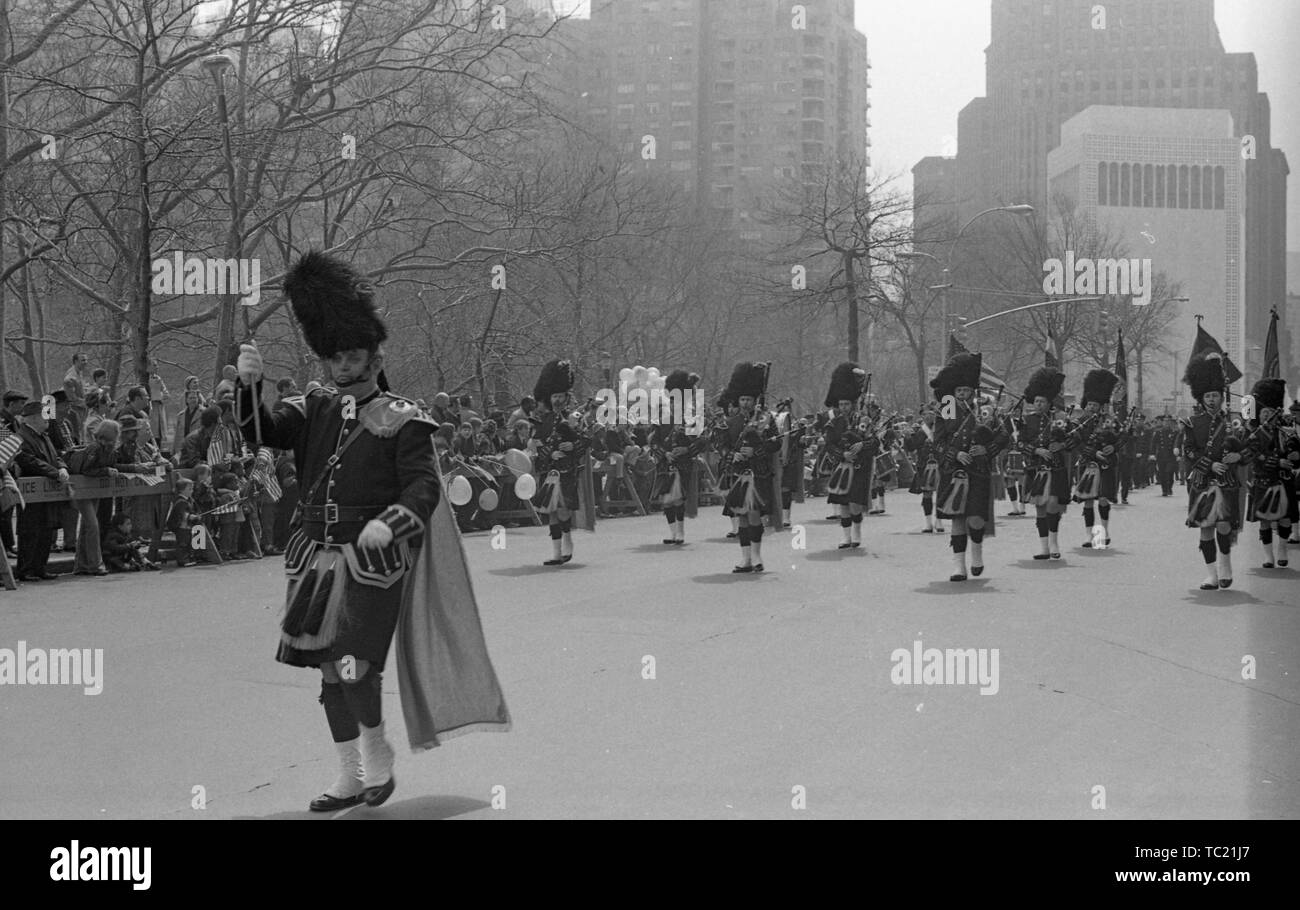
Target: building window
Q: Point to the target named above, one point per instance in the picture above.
(1171, 184)
(1218, 187)
(1114, 183)
(1148, 191)
(1207, 187)
(1160, 186)
(1196, 186)
(626, 88)
(1123, 184)
(1183, 188)
(1103, 198)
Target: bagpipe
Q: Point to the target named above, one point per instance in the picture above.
(1088, 486)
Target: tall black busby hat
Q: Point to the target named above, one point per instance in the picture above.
(680, 379)
(847, 382)
(746, 381)
(1098, 386)
(1204, 373)
(1046, 383)
(1269, 393)
(556, 376)
(334, 306)
(961, 370)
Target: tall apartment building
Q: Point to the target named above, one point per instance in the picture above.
(736, 93)
(1048, 60)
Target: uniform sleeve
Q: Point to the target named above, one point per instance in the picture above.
(281, 428)
(417, 472)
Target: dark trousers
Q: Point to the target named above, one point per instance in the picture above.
(35, 538)
(7, 528)
(1165, 471)
(1125, 477)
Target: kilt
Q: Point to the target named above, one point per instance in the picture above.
(859, 491)
(752, 489)
(335, 608)
(1260, 487)
(568, 492)
(663, 484)
(979, 500)
(1233, 496)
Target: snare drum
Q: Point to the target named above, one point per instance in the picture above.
(1015, 465)
(886, 465)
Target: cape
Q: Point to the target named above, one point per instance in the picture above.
(447, 684)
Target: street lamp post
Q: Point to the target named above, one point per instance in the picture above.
(1019, 209)
(216, 65)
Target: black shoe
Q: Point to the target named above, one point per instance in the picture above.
(44, 576)
(327, 803)
(742, 570)
(1042, 556)
(732, 535)
(758, 567)
(977, 571)
(956, 577)
(1087, 545)
(377, 796)
(927, 530)
(1282, 563)
(1225, 582)
(554, 562)
(1268, 565)
(1207, 586)
(845, 546)
(1056, 555)
(28, 578)
(566, 558)
(670, 540)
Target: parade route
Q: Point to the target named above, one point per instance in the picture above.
(767, 690)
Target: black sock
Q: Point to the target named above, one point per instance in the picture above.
(756, 533)
(1054, 521)
(343, 726)
(959, 543)
(927, 505)
(555, 531)
(845, 521)
(856, 519)
(1104, 512)
(1089, 517)
(743, 535)
(1041, 524)
(1207, 551)
(1266, 536)
(365, 698)
(1225, 543)
(669, 516)
(976, 535)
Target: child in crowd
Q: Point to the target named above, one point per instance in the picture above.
(228, 522)
(179, 522)
(121, 552)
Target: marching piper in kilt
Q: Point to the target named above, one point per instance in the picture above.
(1045, 443)
(1213, 452)
(968, 448)
(740, 412)
(1272, 490)
(561, 453)
(925, 480)
(677, 478)
(855, 447)
(750, 496)
(1100, 438)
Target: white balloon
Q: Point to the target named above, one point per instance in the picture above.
(653, 372)
(525, 486)
(518, 461)
(460, 492)
(626, 375)
(487, 500)
(640, 373)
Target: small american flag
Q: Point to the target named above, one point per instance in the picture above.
(265, 475)
(219, 448)
(151, 480)
(10, 443)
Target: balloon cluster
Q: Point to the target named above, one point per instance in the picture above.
(647, 379)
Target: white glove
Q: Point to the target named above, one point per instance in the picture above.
(249, 365)
(375, 535)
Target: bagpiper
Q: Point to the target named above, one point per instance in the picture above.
(1099, 438)
(1213, 452)
(967, 450)
(1272, 487)
(561, 454)
(677, 486)
(925, 480)
(848, 439)
(1045, 442)
(750, 497)
(374, 547)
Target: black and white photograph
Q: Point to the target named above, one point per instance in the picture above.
(745, 409)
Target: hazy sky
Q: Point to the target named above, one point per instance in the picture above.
(928, 61)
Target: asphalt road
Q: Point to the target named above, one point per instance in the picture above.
(1119, 684)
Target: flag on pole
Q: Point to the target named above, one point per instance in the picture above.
(1207, 342)
(10, 443)
(264, 474)
(1052, 360)
(990, 381)
(1272, 363)
(218, 448)
(1120, 396)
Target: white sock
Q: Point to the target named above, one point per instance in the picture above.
(1212, 574)
(1279, 543)
(1053, 542)
(848, 534)
(1224, 565)
(757, 547)
(1105, 530)
(735, 523)
(1042, 542)
(745, 559)
(785, 516)
(959, 563)
(348, 783)
(679, 530)
(566, 544)
(1268, 550)
(555, 549)
(977, 553)
(376, 756)
(856, 530)
(929, 522)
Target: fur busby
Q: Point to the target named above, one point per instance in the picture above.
(847, 382)
(1098, 386)
(961, 370)
(556, 376)
(680, 379)
(746, 380)
(1204, 373)
(1046, 383)
(333, 305)
(1269, 393)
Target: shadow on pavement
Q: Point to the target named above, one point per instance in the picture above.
(1224, 597)
(835, 555)
(537, 569)
(969, 586)
(421, 807)
(729, 577)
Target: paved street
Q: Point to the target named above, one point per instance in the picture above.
(1114, 672)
